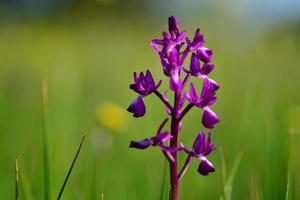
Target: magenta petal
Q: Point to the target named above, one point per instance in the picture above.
(198, 40)
(206, 68)
(193, 93)
(199, 143)
(173, 25)
(169, 112)
(162, 137)
(208, 147)
(149, 78)
(207, 96)
(206, 167)
(140, 144)
(144, 83)
(166, 65)
(201, 146)
(204, 54)
(137, 107)
(209, 118)
(208, 93)
(154, 43)
(194, 65)
(170, 149)
(180, 37)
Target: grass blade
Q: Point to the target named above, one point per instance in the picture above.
(17, 178)
(229, 184)
(287, 187)
(162, 189)
(25, 185)
(70, 169)
(223, 165)
(228, 181)
(254, 188)
(45, 138)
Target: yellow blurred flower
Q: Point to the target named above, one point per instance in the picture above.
(112, 116)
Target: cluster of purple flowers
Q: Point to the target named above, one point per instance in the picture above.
(173, 49)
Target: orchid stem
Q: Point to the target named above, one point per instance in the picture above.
(162, 126)
(185, 167)
(159, 95)
(185, 111)
(168, 156)
(173, 143)
(166, 153)
(186, 79)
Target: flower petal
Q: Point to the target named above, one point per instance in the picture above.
(205, 167)
(198, 40)
(170, 149)
(194, 65)
(137, 107)
(149, 78)
(140, 144)
(206, 68)
(209, 118)
(208, 147)
(169, 112)
(199, 143)
(173, 25)
(144, 83)
(208, 92)
(154, 43)
(180, 37)
(204, 54)
(162, 137)
(193, 92)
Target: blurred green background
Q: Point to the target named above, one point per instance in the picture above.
(88, 49)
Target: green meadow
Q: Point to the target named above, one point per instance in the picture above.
(87, 59)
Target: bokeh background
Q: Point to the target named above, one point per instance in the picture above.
(88, 49)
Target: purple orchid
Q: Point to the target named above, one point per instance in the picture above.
(137, 107)
(201, 149)
(204, 54)
(144, 84)
(198, 71)
(207, 96)
(157, 140)
(173, 49)
(173, 25)
(198, 41)
(209, 118)
(206, 99)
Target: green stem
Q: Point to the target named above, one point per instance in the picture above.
(45, 138)
(70, 170)
(17, 179)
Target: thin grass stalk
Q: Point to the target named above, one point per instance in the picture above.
(224, 171)
(25, 185)
(229, 182)
(45, 117)
(163, 183)
(70, 170)
(17, 178)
